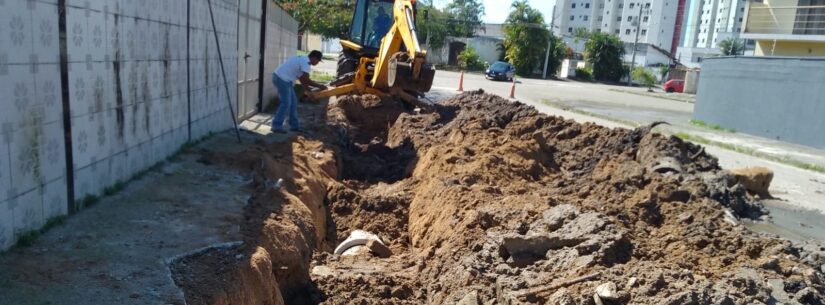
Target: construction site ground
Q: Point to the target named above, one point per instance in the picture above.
(484, 201)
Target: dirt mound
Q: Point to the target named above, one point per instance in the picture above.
(486, 201)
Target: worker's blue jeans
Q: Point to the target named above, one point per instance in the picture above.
(288, 104)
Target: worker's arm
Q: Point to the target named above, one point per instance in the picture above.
(307, 83)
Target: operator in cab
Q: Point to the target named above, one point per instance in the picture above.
(381, 25)
(294, 68)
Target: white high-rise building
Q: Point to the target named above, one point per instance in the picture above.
(708, 22)
(619, 17)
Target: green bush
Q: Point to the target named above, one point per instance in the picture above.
(644, 77)
(470, 60)
(584, 73)
(605, 52)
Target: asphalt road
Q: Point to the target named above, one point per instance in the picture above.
(588, 97)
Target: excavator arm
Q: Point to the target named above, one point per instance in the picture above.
(390, 55)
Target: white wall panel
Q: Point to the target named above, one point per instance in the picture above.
(127, 90)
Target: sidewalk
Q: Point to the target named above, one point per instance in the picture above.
(117, 251)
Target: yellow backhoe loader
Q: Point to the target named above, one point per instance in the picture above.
(382, 55)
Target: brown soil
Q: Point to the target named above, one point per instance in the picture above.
(486, 201)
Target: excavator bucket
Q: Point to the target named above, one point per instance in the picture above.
(402, 75)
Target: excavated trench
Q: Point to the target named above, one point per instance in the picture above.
(486, 201)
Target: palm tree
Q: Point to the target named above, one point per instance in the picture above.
(731, 46)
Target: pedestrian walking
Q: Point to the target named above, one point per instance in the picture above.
(294, 68)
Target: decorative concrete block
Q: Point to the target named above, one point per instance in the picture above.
(48, 92)
(27, 210)
(55, 202)
(82, 137)
(7, 238)
(26, 160)
(46, 33)
(52, 154)
(96, 42)
(77, 34)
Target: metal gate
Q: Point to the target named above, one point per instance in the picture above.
(249, 55)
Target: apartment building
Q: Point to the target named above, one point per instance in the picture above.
(657, 20)
(786, 27)
(706, 23)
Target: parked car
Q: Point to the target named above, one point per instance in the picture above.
(675, 85)
(500, 71)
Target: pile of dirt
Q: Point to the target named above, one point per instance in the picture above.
(487, 201)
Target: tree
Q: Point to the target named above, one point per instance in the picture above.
(470, 60)
(605, 52)
(663, 71)
(525, 37)
(435, 26)
(466, 17)
(502, 51)
(644, 77)
(731, 46)
(335, 23)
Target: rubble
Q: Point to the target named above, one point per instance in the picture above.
(607, 291)
(487, 201)
(757, 180)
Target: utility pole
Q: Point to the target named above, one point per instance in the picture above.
(432, 7)
(549, 43)
(635, 44)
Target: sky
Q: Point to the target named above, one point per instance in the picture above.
(496, 10)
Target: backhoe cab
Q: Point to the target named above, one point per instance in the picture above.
(382, 55)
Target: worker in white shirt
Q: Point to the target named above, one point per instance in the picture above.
(294, 68)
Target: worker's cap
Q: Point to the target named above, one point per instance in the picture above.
(316, 54)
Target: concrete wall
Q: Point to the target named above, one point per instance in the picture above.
(486, 47)
(125, 104)
(692, 57)
(281, 43)
(774, 97)
(312, 41)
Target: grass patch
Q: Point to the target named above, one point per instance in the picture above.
(718, 127)
(322, 77)
(87, 201)
(113, 189)
(751, 152)
(28, 239)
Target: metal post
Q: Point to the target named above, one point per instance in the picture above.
(549, 44)
(635, 44)
(547, 58)
(225, 84)
(432, 8)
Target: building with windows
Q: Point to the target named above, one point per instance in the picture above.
(658, 21)
(786, 27)
(706, 23)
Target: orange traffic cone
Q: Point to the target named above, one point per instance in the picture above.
(461, 82)
(513, 89)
